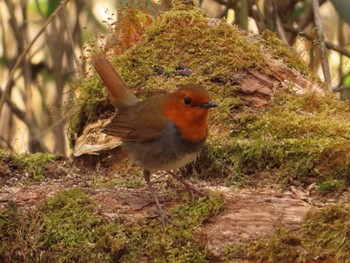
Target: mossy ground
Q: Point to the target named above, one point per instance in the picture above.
(34, 164)
(295, 139)
(68, 228)
(65, 229)
(323, 235)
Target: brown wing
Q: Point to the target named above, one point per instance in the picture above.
(141, 122)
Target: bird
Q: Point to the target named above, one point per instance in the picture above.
(162, 133)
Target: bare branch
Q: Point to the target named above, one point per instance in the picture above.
(280, 30)
(3, 39)
(17, 111)
(341, 42)
(323, 51)
(21, 58)
(51, 127)
(32, 124)
(70, 38)
(7, 143)
(328, 44)
(309, 17)
(14, 24)
(257, 16)
(242, 14)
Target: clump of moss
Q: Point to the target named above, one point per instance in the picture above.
(33, 163)
(324, 234)
(65, 229)
(209, 51)
(280, 50)
(304, 138)
(181, 37)
(329, 230)
(175, 244)
(281, 247)
(91, 102)
(68, 228)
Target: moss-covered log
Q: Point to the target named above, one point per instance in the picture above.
(273, 116)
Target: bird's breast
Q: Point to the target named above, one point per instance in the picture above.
(169, 151)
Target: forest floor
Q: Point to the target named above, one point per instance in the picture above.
(249, 212)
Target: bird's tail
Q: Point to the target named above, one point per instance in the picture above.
(121, 96)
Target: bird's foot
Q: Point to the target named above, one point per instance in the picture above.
(188, 186)
(165, 219)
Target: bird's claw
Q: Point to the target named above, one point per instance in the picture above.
(188, 186)
(165, 219)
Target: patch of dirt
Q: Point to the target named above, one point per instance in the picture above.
(249, 214)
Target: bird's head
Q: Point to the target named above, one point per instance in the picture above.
(188, 109)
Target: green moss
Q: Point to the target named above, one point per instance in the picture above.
(305, 138)
(175, 244)
(329, 230)
(330, 185)
(295, 135)
(280, 50)
(281, 247)
(325, 234)
(181, 36)
(91, 102)
(33, 163)
(210, 51)
(65, 229)
(68, 228)
(129, 182)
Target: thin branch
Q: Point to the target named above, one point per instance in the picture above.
(323, 51)
(70, 38)
(7, 143)
(31, 124)
(21, 58)
(341, 42)
(309, 17)
(17, 111)
(3, 38)
(242, 14)
(257, 16)
(328, 44)
(339, 49)
(280, 30)
(13, 23)
(51, 127)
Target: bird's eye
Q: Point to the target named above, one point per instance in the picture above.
(187, 100)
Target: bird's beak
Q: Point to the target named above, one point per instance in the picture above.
(208, 105)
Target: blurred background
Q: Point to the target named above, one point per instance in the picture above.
(45, 45)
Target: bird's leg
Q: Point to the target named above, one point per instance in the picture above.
(187, 185)
(164, 217)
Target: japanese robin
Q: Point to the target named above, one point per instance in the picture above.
(162, 133)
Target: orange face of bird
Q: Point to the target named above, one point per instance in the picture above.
(188, 109)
